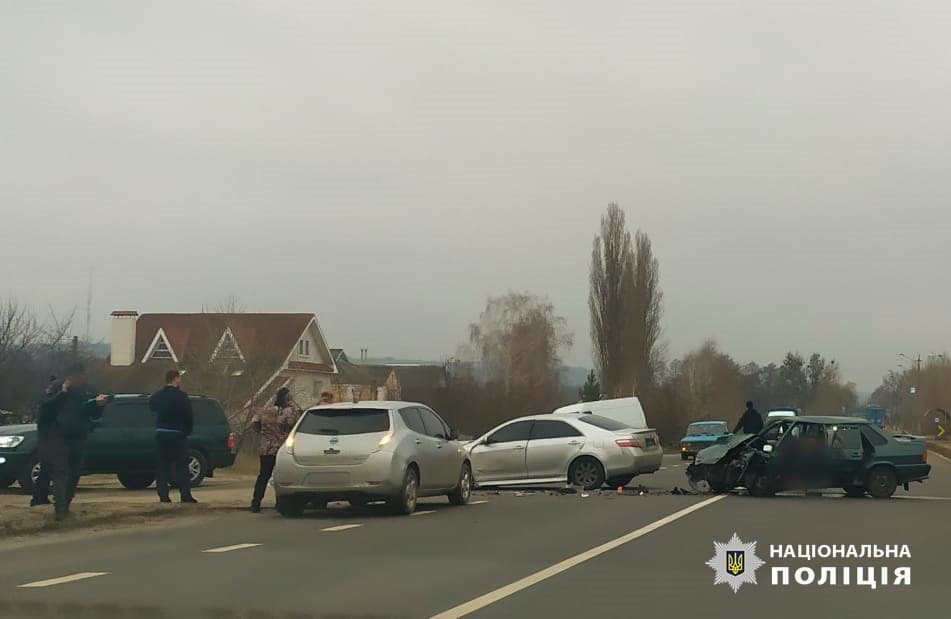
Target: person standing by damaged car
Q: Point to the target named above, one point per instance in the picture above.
(272, 424)
(750, 422)
(174, 422)
(62, 426)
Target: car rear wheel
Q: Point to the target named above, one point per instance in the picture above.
(881, 482)
(291, 505)
(587, 473)
(856, 492)
(136, 481)
(460, 496)
(405, 503)
(615, 482)
(197, 467)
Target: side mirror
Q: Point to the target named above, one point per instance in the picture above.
(768, 448)
(453, 435)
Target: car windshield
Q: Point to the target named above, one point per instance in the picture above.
(603, 422)
(334, 422)
(695, 429)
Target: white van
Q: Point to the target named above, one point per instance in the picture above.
(623, 410)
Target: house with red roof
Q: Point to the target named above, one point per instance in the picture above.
(240, 358)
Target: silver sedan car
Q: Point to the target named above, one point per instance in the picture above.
(580, 449)
(365, 451)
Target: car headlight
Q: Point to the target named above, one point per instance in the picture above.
(9, 442)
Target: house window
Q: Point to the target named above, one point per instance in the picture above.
(303, 348)
(228, 349)
(161, 350)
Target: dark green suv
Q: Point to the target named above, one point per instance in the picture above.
(123, 442)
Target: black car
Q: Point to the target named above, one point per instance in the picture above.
(123, 442)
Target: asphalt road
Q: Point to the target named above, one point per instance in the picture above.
(505, 555)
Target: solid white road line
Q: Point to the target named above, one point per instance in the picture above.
(423, 513)
(477, 502)
(942, 456)
(61, 580)
(230, 548)
(912, 497)
(503, 592)
(342, 527)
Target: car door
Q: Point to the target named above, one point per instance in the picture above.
(551, 447)
(120, 439)
(424, 445)
(846, 454)
(501, 456)
(445, 472)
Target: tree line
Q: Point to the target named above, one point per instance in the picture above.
(510, 364)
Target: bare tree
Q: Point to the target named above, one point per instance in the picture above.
(610, 303)
(647, 313)
(19, 330)
(517, 345)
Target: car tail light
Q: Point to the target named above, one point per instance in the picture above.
(924, 456)
(232, 441)
(629, 442)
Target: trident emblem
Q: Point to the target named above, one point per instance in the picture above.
(734, 562)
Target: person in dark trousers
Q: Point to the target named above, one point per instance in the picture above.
(41, 487)
(173, 425)
(63, 424)
(272, 424)
(750, 422)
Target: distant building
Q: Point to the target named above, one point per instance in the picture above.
(239, 358)
(385, 381)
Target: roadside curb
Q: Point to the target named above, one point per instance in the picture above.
(942, 448)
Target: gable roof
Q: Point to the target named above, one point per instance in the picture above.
(196, 335)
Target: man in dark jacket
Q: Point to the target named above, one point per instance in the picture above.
(41, 487)
(173, 426)
(62, 427)
(750, 422)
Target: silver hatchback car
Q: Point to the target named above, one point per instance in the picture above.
(581, 449)
(366, 451)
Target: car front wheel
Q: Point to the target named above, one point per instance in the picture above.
(881, 482)
(29, 474)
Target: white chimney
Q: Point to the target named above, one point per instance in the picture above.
(123, 337)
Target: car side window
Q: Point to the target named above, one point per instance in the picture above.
(846, 437)
(518, 431)
(433, 424)
(123, 415)
(412, 419)
(873, 436)
(552, 429)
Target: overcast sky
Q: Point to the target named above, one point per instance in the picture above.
(389, 164)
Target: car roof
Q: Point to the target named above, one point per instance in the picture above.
(828, 419)
(139, 396)
(387, 404)
(699, 421)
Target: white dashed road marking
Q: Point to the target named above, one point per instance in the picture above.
(61, 580)
(230, 548)
(503, 592)
(477, 502)
(342, 527)
(423, 513)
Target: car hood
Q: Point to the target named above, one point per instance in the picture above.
(714, 453)
(23, 428)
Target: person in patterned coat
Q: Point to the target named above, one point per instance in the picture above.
(272, 424)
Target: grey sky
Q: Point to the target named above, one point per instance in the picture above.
(389, 164)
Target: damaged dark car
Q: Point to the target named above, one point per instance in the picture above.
(812, 453)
